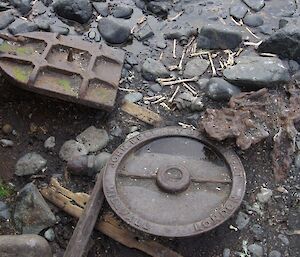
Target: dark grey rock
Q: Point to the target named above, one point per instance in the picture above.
(49, 234)
(156, 88)
(242, 220)
(22, 26)
(258, 231)
(6, 18)
(267, 29)
(101, 8)
(122, 11)
(275, 253)
(29, 164)
(24, 246)
(72, 148)
(23, 6)
(44, 25)
(195, 67)
(186, 100)
(47, 2)
(220, 89)
(202, 83)
(161, 44)
(255, 72)
(32, 214)
(256, 250)
(285, 43)
(238, 11)
(4, 211)
(114, 31)
(218, 37)
(153, 69)
(144, 32)
(253, 20)
(284, 239)
(131, 59)
(133, 97)
(76, 10)
(294, 66)
(49, 143)
(255, 5)
(160, 8)
(59, 29)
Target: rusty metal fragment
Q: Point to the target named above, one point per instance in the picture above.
(251, 117)
(63, 67)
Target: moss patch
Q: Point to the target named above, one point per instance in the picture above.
(65, 84)
(5, 190)
(18, 50)
(22, 73)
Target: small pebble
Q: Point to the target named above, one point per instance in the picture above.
(226, 252)
(7, 129)
(49, 235)
(265, 195)
(6, 143)
(284, 239)
(274, 253)
(49, 143)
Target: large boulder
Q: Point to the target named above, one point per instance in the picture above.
(32, 214)
(255, 72)
(219, 37)
(285, 43)
(76, 10)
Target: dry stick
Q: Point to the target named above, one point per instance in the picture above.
(165, 106)
(240, 23)
(174, 94)
(181, 59)
(176, 16)
(174, 48)
(214, 73)
(159, 100)
(111, 228)
(252, 33)
(268, 55)
(189, 88)
(169, 83)
(159, 80)
(161, 55)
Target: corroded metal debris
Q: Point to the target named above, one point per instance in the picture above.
(64, 67)
(172, 182)
(254, 116)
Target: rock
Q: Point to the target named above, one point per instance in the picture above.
(255, 72)
(6, 18)
(133, 97)
(144, 32)
(44, 25)
(59, 29)
(49, 143)
(32, 214)
(4, 211)
(220, 89)
(29, 164)
(76, 10)
(49, 234)
(7, 129)
(6, 143)
(22, 26)
(253, 20)
(274, 253)
(266, 29)
(218, 37)
(187, 100)
(242, 220)
(226, 252)
(24, 246)
(122, 11)
(255, 5)
(93, 139)
(156, 88)
(265, 195)
(101, 8)
(294, 66)
(195, 67)
(202, 83)
(23, 6)
(284, 239)
(153, 69)
(72, 148)
(256, 250)
(238, 11)
(258, 232)
(113, 31)
(132, 135)
(285, 43)
(101, 160)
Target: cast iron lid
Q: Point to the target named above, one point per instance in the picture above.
(173, 182)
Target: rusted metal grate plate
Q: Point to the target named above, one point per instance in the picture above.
(64, 67)
(173, 182)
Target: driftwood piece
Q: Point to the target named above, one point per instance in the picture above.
(108, 225)
(142, 113)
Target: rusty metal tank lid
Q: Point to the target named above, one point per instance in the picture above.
(173, 182)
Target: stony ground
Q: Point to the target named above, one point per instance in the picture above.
(214, 44)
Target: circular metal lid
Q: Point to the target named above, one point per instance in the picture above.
(173, 182)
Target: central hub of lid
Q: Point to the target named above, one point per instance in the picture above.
(173, 179)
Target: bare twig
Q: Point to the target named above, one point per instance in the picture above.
(268, 55)
(174, 48)
(214, 73)
(190, 88)
(169, 83)
(252, 33)
(159, 100)
(176, 16)
(174, 94)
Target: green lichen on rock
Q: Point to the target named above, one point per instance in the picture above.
(5, 190)
(15, 49)
(65, 84)
(22, 73)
